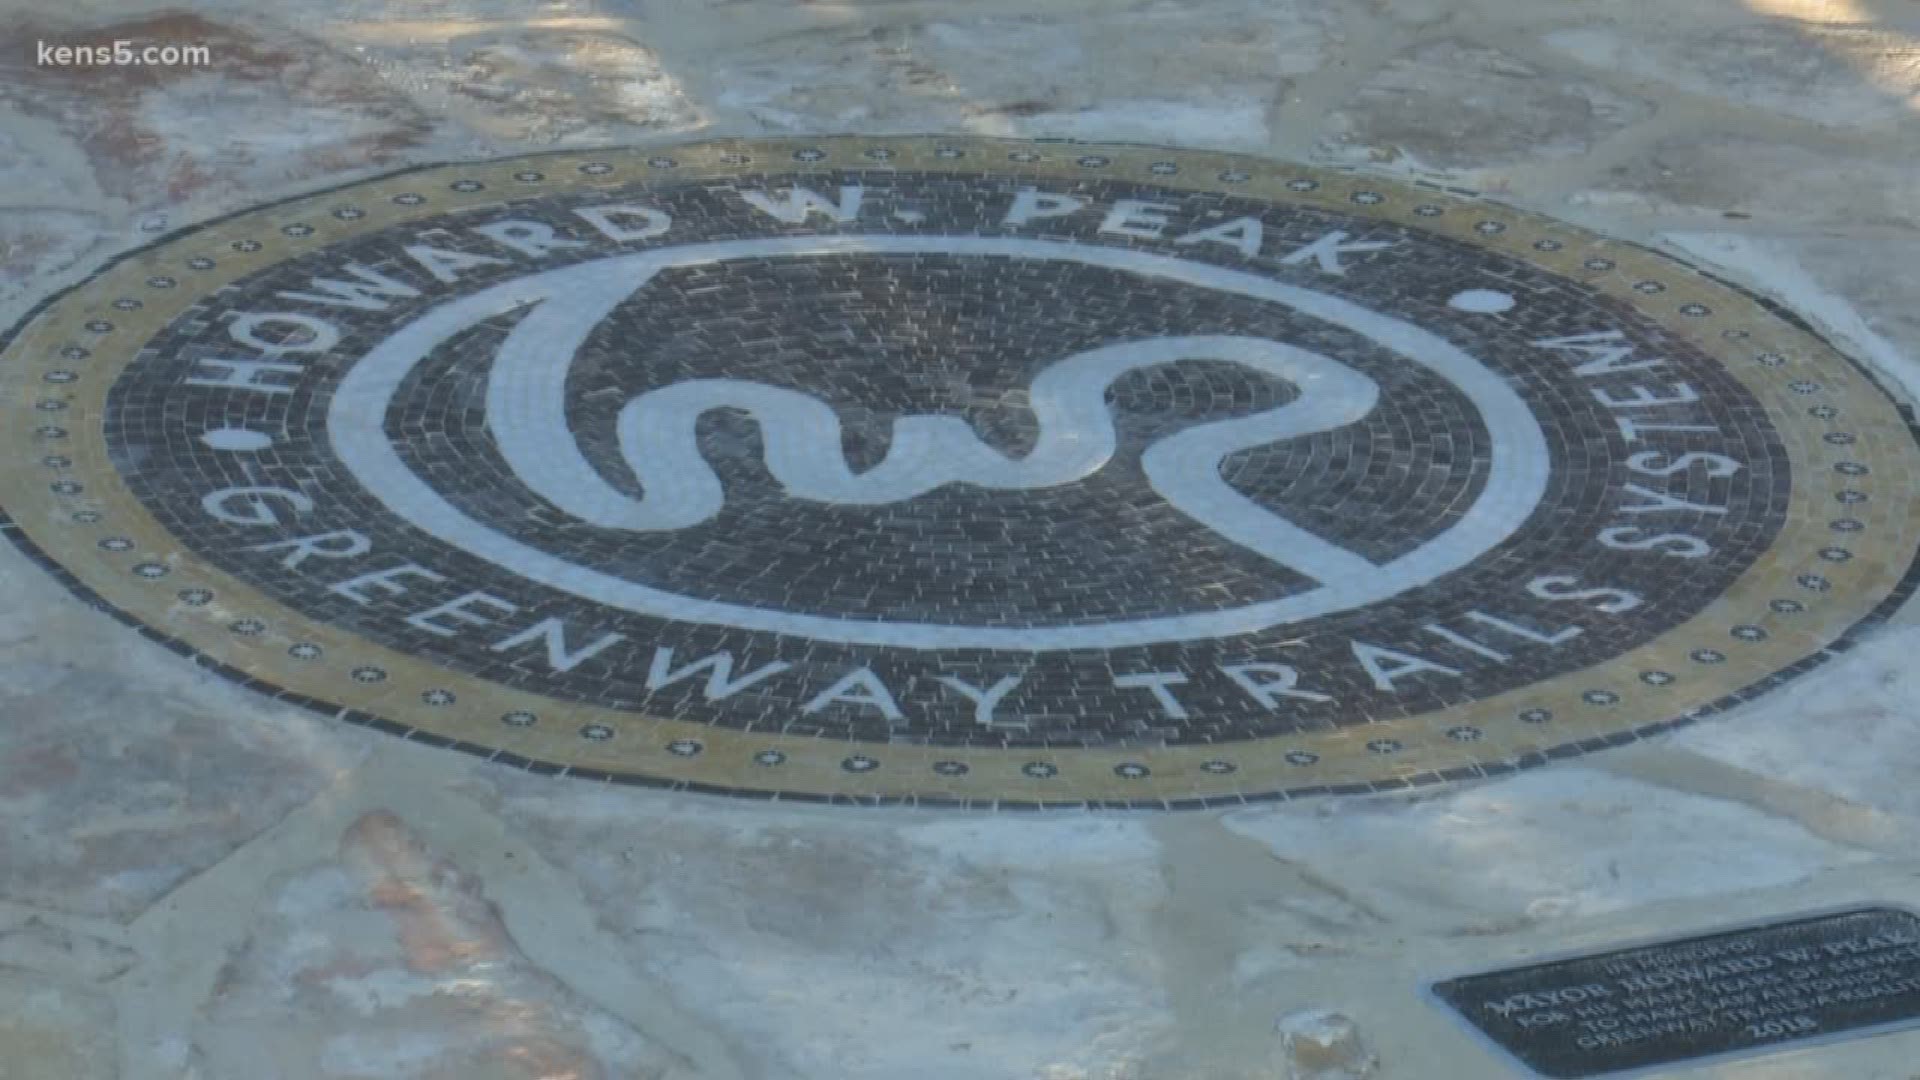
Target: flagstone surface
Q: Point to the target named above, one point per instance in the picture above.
(197, 880)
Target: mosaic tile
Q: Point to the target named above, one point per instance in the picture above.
(956, 472)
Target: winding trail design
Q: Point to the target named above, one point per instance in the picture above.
(527, 414)
(803, 446)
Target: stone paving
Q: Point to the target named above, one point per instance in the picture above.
(201, 881)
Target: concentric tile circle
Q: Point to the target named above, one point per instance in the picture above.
(956, 471)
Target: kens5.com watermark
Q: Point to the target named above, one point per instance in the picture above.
(122, 54)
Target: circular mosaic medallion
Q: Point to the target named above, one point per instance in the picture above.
(956, 471)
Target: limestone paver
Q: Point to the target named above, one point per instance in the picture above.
(1452, 103)
(388, 960)
(54, 1032)
(270, 107)
(124, 772)
(925, 929)
(1844, 76)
